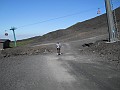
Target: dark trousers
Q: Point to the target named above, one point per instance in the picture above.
(58, 50)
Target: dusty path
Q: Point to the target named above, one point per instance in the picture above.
(69, 71)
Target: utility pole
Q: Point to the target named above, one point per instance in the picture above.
(13, 29)
(111, 24)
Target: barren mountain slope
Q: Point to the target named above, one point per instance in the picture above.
(93, 27)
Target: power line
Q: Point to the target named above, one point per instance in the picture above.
(56, 18)
(27, 25)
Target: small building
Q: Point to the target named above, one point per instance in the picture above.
(4, 43)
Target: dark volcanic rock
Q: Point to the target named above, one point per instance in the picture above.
(108, 51)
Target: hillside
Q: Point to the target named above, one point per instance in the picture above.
(93, 27)
(81, 30)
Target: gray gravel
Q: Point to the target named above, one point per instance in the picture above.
(69, 71)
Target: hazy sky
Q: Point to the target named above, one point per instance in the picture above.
(37, 17)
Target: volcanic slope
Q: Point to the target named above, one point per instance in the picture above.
(81, 30)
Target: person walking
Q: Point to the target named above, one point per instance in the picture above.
(58, 45)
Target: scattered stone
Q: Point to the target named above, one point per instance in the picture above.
(87, 44)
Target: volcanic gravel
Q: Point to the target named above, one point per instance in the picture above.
(108, 52)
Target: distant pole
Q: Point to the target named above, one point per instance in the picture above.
(111, 26)
(13, 29)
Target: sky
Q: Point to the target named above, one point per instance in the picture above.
(38, 17)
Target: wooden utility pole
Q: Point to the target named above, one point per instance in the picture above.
(111, 24)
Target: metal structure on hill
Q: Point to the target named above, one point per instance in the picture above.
(6, 34)
(115, 18)
(111, 23)
(98, 12)
(13, 29)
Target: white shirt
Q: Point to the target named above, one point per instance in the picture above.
(58, 45)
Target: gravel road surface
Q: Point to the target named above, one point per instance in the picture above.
(68, 71)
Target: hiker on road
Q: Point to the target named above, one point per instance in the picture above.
(58, 45)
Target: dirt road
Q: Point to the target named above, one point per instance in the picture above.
(69, 71)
